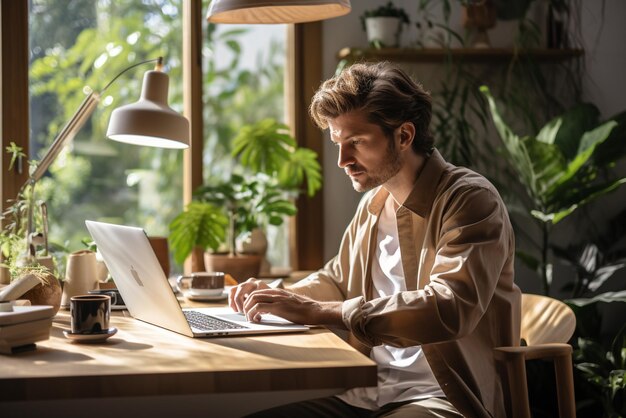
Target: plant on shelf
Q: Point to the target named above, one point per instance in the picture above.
(269, 174)
(383, 25)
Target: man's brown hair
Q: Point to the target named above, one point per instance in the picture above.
(385, 93)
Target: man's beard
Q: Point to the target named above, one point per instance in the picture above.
(386, 170)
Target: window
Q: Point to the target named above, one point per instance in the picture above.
(244, 83)
(83, 45)
(122, 188)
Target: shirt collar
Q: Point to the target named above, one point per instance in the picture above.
(421, 198)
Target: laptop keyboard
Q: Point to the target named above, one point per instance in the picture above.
(208, 323)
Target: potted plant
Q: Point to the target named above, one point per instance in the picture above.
(269, 174)
(383, 25)
(24, 252)
(565, 166)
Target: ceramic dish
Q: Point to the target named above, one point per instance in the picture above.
(205, 298)
(203, 292)
(90, 338)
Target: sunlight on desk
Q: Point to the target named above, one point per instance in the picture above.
(144, 360)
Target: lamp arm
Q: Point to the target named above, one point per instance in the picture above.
(68, 132)
(159, 65)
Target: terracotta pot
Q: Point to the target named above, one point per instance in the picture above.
(47, 293)
(479, 16)
(240, 266)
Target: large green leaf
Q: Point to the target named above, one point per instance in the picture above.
(586, 195)
(548, 133)
(264, 146)
(200, 225)
(587, 145)
(606, 297)
(614, 147)
(302, 164)
(555, 166)
(546, 167)
(574, 123)
(539, 162)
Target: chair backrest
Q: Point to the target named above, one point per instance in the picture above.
(546, 320)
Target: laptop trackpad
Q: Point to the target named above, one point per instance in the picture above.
(266, 319)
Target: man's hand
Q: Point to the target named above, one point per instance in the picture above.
(240, 293)
(292, 307)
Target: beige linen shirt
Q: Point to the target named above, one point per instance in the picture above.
(457, 248)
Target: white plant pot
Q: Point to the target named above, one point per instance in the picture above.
(254, 242)
(384, 31)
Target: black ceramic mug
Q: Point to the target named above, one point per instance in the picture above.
(90, 314)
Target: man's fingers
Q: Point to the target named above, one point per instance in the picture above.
(263, 296)
(240, 293)
(231, 299)
(254, 313)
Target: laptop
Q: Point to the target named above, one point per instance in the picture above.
(149, 297)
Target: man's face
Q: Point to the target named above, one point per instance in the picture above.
(366, 154)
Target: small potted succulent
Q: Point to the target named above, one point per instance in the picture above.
(225, 213)
(383, 25)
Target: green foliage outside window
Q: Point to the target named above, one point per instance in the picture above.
(86, 43)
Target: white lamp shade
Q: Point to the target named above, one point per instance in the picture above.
(150, 121)
(275, 11)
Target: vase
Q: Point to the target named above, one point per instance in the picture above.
(81, 275)
(255, 242)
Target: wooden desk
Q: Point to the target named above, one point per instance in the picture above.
(144, 360)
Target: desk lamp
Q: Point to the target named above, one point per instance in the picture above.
(149, 122)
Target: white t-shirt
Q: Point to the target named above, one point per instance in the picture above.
(403, 373)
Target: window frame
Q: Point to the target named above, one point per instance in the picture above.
(303, 76)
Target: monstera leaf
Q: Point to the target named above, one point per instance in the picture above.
(201, 224)
(264, 146)
(302, 164)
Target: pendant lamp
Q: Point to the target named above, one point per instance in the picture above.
(275, 11)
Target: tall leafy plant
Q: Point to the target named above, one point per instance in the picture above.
(558, 170)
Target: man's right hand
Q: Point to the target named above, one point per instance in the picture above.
(238, 294)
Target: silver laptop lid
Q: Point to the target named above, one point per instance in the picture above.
(137, 273)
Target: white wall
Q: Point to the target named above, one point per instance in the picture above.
(605, 85)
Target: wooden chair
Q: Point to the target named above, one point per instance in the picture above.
(547, 325)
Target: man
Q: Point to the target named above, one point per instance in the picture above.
(424, 273)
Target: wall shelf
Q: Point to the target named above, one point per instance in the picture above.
(463, 54)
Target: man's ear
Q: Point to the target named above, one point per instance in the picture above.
(406, 134)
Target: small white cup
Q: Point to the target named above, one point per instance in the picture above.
(201, 283)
